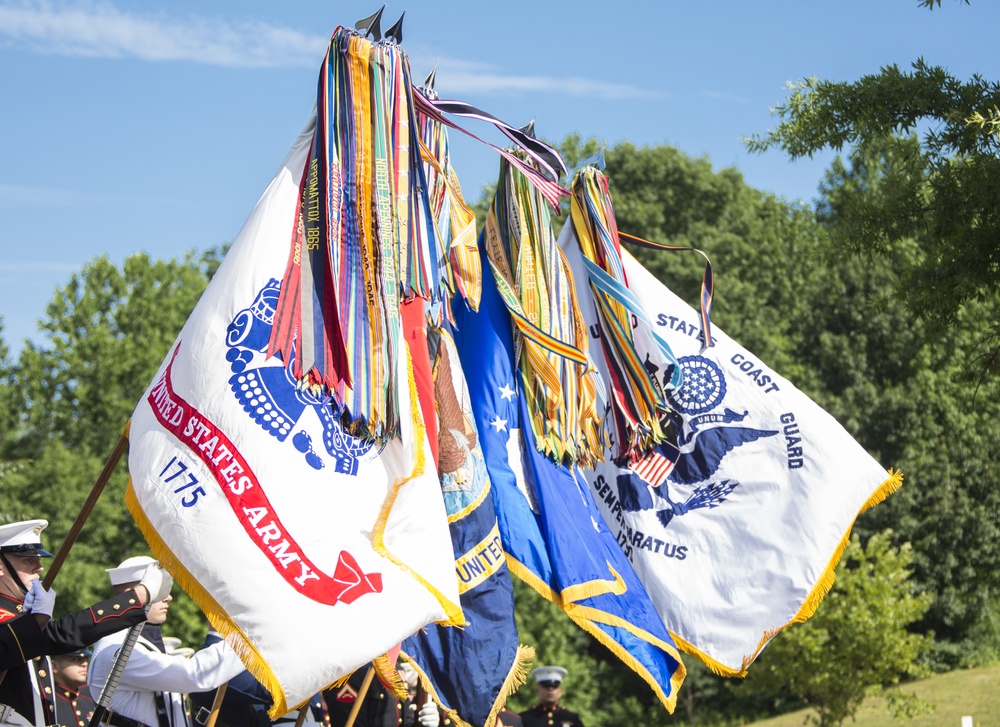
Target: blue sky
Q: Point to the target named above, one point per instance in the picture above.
(154, 126)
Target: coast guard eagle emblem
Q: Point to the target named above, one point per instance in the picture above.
(704, 437)
(269, 394)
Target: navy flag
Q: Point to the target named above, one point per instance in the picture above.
(469, 671)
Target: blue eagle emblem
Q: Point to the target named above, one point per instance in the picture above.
(705, 437)
(269, 394)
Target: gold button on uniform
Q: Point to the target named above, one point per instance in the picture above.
(117, 606)
(100, 612)
(41, 672)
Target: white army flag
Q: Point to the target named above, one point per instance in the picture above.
(312, 550)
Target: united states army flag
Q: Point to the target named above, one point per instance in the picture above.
(736, 535)
(312, 550)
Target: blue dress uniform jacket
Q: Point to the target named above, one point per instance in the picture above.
(380, 707)
(62, 635)
(550, 717)
(74, 708)
(21, 638)
(245, 703)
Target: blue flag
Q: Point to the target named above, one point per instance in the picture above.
(472, 670)
(555, 538)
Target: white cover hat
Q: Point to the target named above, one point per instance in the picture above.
(549, 674)
(22, 538)
(129, 570)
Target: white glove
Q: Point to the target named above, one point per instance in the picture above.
(428, 715)
(157, 582)
(39, 601)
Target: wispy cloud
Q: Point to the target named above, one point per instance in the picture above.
(726, 97)
(101, 30)
(40, 266)
(456, 75)
(15, 195)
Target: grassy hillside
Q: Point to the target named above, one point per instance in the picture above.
(974, 692)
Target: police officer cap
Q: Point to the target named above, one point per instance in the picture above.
(22, 538)
(549, 674)
(129, 570)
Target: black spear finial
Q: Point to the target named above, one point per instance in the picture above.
(396, 31)
(372, 24)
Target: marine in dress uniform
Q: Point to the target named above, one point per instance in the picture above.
(548, 712)
(509, 719)
(380, 707)
(153, 683)
(27, 691)
(74, 703)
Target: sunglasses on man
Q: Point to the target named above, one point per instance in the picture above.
(549, 684)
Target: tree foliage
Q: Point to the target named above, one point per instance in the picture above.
(938, 181)
(70, 396)
(857, 643)
(107, 331)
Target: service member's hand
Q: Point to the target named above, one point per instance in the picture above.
(428, 715)
(39, 601)
(157, 582)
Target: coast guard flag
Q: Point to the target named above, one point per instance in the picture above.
(472, 670)
(262, 507)
(739, 536)
(554, 536)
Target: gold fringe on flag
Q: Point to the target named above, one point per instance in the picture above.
(822, 587)
(516, 677)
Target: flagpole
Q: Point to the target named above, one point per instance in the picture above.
(220, 693)
(361, 697)
(300, 720)
(88, 506)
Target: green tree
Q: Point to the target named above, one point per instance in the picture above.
(106, 332)
(69, 398)
(907, 396)
(8, 398)
(857, 644)
(941, 169)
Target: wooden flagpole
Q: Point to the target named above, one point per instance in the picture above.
(361, 697)
(301, 719)
(88, 507)
(217, 705)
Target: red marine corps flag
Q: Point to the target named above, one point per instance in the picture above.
(312, 549)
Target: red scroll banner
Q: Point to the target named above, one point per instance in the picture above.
(250, 504)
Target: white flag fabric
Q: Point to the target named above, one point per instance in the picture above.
(739, 537)
(313, 551)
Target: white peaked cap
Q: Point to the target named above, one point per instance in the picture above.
(130, 570)
(549, 674)
(23, 537)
